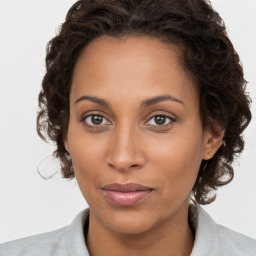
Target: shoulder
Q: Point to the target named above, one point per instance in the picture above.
(212, 239)
(50, 243)
(238, 243)
(66, 241)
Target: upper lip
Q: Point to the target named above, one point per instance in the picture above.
(128, 187)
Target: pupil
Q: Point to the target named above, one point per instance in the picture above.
(97, 119)
(160, 120)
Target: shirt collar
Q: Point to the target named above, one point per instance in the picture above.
(75, 238)
(206, 235)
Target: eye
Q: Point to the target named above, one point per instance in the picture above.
(95, 120)
(160, 120)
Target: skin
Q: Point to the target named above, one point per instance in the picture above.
(129, 145)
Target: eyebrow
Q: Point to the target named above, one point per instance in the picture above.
(145, 103)
(97, 100)
(160, 98)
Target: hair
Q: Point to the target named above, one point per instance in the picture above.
(207, 54)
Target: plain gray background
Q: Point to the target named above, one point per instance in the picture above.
(29, 204)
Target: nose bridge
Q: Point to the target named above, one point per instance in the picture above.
(125, 149)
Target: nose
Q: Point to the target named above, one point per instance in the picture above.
(126, 150)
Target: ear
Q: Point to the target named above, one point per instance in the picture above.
(212, 141)
(65, 140)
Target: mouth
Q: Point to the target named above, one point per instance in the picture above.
(126, 194)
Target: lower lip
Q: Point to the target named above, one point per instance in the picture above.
(126, 199)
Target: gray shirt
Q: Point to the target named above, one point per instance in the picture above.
(211, 239)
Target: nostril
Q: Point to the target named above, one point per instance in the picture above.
(131, 166)
(125, 159)
(111, 165)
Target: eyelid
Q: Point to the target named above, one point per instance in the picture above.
(90, 113)
(94, 113)
(172, 117)
(161, 113)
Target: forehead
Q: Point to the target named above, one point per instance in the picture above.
(122, 53)
(144, 66)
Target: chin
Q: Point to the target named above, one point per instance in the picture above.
(129, 221)
(129, 226)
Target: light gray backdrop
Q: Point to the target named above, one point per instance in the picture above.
(31, 205)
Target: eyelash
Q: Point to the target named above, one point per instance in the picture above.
(83, 120)
(171, 120)
(91, 126)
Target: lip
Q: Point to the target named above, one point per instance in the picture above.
(126, 194)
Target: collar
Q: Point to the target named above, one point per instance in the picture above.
(206, 233)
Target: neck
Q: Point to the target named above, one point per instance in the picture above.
(171, 238)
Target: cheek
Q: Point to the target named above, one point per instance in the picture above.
(178, 159)
(87, 168)
(85, 149)
(87, 155)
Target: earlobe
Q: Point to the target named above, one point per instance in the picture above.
(212, 142)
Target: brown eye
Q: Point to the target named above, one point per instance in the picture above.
(95, 120)
(160, 120)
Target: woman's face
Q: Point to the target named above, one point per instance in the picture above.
(134, 119)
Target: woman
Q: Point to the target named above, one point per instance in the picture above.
(146, 103)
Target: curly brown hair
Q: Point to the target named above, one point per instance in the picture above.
(208, 55)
